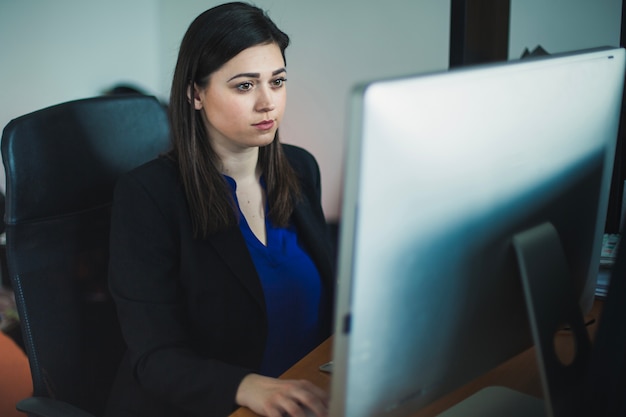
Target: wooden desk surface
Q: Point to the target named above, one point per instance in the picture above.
(519, 373)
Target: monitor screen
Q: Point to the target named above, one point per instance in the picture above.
(442, 171)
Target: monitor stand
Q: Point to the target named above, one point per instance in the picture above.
(551, 304)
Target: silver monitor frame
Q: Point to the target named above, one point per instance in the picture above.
(442, 170)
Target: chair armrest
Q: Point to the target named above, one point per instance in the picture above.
(48, 407)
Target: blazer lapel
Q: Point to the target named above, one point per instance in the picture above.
(231, 247)
(316, 241)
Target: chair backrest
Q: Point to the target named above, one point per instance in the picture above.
(61, 166)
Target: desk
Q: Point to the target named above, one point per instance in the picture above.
(519, 373)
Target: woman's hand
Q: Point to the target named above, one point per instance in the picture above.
(273, 397)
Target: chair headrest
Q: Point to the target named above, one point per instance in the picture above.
(67, 157)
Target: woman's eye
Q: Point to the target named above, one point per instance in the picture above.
(244, 86)
(279, 82)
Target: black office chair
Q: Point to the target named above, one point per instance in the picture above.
(61, 165)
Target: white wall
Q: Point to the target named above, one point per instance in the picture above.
(563, 25)
(66, 49)
(54, 51)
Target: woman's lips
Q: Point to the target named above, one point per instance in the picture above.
(264, 125)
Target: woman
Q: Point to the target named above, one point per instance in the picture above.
(221, 266)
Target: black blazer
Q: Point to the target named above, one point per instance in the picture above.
(192, 310)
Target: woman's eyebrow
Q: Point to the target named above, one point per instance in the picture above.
(256, 74)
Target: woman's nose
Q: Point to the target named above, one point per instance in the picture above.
(265, 102)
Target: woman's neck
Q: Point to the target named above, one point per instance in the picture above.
(242, 166)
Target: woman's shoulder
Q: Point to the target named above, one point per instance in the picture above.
(152, 185)
(296, 152)
(161, 168)
(154, 177)
(301, 160)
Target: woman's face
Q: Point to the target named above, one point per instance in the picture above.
(244, 101)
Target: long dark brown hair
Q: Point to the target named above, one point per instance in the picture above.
(212, 39)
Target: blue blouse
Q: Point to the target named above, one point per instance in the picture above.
(293, 294)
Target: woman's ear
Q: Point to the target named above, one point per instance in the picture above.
(193, 95)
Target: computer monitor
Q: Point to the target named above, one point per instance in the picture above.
(442, 171)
